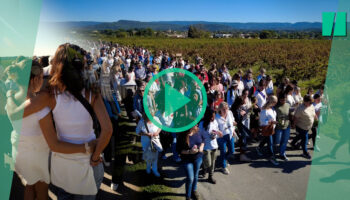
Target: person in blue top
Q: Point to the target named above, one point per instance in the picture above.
(190, 146)
(262, 75)
(138, 101)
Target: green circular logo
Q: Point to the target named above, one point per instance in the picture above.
(175, 100)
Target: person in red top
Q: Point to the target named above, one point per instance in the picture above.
(202, 74)
(218, 99)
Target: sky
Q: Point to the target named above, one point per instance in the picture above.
(187, 10)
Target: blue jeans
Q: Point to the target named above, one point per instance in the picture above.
(63, 195)
(173, 146)
(192, 171)
(281, 137)
(243, 139)
(269, 141)
(224, 142)
(304, 136)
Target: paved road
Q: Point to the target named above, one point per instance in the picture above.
(250, 181)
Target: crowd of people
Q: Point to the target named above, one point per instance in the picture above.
(75, 85)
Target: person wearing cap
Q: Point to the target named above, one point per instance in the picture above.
(232, 93)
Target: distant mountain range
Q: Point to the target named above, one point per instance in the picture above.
(183, 25)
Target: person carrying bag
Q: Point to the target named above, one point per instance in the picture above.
(150, 144)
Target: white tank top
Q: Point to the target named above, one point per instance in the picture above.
(73, 122)
(29, 126)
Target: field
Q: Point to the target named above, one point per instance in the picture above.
(302, 60)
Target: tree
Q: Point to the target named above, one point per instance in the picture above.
(121, 34)
(194, 32)
(267, 34)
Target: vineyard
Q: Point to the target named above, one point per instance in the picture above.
(302, 60)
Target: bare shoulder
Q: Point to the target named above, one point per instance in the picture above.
(43, 99)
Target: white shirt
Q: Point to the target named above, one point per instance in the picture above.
(47, 70)
(141, 128)
(269, 88)
(240, 87)
(226, 125)
(128, 61)
(29, 126)
(290, 100)
(210, 142)
(165, 120)
(261, 97)
(73, 122)
(154, 87)
(266, 116)
(317, 107)
(297, 98)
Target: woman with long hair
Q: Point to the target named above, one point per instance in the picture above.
(241, 114)
(209, 130)
(34, 135)
(76, 107)
(268, 118)
(289, 95)
(190, 146)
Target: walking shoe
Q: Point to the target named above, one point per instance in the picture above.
(211, 179)
(156, 173)
(164, 157)
(244, 158)
(284, 158)
(195, 195)
(258, 151)
(225, 171)
(307, 155)
(273, 161)
(202, 174)
(114, 186)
